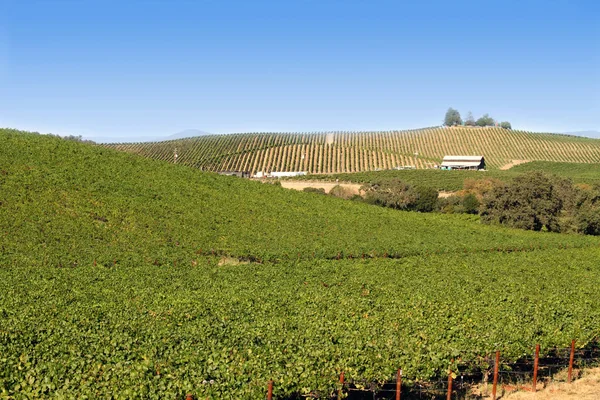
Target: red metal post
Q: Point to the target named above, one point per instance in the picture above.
(270, 390)
(398, 384)
(571, 358)
(496, 367)
(535, 366)
(342, 388)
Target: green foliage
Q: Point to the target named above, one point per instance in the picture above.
(68, 204)
(314, 190)
(341, 192)
(470, 204)
(588, 212)
(452, 117)
(159, 332)
(505, 125)
(532, 201)
(109, 287)
(426, 199)
(392, 193)
(485, 120)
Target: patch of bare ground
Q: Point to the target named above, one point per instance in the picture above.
(586, 387)
(513, 163)
(231, 261)
(354, 188)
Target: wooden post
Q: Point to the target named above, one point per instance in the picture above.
(342, 388)
(398, 384)
(571, 358)
(535, 366)
(496, 367)
(449, 396)
(270, 390)
(189, 396)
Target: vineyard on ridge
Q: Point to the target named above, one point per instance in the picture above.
(343, 152)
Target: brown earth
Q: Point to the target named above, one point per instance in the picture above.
(512, 164)
(300, 185)
(587, 387)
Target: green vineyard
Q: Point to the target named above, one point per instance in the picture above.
(342, 152)
(124, 277)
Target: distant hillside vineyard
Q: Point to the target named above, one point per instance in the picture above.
(338, 152)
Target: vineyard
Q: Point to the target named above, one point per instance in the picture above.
(440, 180)
(344, 152)
(124, 277)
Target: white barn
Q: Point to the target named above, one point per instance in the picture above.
(463, 162)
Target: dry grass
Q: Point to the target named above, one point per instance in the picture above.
(587, 387)
(231, 261)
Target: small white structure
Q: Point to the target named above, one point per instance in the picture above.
(286, 174)
(259, 175)
(463, 162)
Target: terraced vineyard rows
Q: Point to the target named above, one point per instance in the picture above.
(341, 152)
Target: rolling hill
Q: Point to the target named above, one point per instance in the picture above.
(126, 277)
(339, 152)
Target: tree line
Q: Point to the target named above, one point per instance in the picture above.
(453, 118)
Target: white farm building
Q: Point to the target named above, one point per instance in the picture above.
(463, 162)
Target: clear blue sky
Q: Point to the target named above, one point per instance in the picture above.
(133, 69)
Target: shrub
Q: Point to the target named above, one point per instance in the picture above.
(530, 202)
(341, 192)
(425, 200)
(470, 204)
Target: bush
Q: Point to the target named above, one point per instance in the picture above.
(530, 202)
(486, 120)
(341, 192)
(397, 194)
(392, 193)
(450, 205)
(426, 199)
(470, 204)
(505, 125)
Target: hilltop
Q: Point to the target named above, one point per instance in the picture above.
(340, 152)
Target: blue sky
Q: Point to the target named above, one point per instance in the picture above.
(131, 70)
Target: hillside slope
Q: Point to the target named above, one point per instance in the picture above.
(65, 203)
(366, 151)
(109, 287)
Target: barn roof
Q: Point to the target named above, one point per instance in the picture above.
(462, 161)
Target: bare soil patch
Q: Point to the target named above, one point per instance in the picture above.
(327, 186)
(512, 164)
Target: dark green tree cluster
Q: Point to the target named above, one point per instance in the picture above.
(453, 118)
(400, 195)
(536, 201)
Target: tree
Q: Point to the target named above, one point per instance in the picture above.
(470, 204)
(486, 120)
(426, 199)
(452, 117)
(392, 193)
(470, 121)
(505, 125)
(532, 201)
